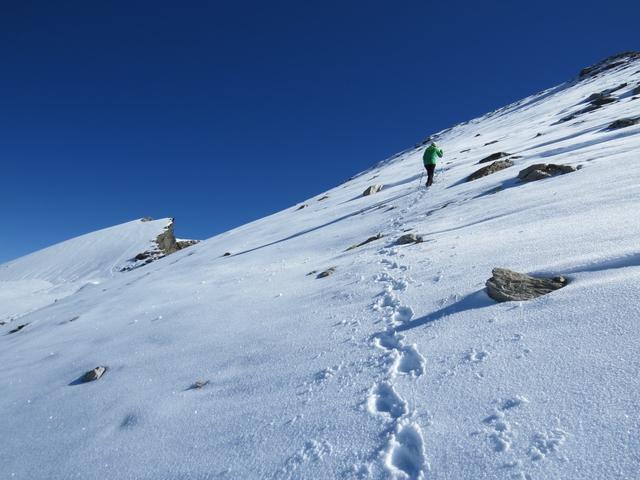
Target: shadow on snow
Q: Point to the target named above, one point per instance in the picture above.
(473, 301)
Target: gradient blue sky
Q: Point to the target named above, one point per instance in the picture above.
(219, 113)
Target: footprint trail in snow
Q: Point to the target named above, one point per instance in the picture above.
(403, 454)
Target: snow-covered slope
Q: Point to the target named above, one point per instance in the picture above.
(39, 279)
(398, 365)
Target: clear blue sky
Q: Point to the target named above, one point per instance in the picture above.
(219, 113)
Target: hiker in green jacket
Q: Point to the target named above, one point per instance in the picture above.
(431, 154)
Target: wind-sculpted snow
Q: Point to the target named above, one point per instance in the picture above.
(48, 275)
(230, 360)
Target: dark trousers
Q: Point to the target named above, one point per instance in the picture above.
(430, 170)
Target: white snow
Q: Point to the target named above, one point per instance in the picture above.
(398, 365)
(43, 277)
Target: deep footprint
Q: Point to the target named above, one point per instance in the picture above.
(383, 399)
(410, 362)
(405, 456)
(388, 340)
(401, 315)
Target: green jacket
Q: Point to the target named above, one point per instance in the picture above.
(431, 154)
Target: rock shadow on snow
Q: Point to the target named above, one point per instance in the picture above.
(474, 301)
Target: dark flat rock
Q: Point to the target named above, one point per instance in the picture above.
(489, 169)
(94, 374)
(624, 123)
(494, 156)
(328, 272)
(540, 171)
(368, 240)
(408, 239)
(507, 286)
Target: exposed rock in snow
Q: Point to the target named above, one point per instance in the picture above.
(166, 244)
(408, 239)
(600, 101)
(352, 377)
(372, 189)
(94, 374)
(494, 156)
(198, 384)
(624, 123)
(609, 63)
(596, 101)
(327, 272)
(18, 328)
(368, 240)
(540, 171)
(506, 285)
(605, 93)
(489, 169)
(304, 205)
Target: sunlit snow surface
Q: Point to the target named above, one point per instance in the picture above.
(396, 366)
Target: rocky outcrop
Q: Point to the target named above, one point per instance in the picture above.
(608, 64)
(166, 241)
(540, 171)
(328, 272)
(304, 205)
(596, 101)
(507, 286)
(94, 374)
(166, 244)
(600, 101)
(624, 123)
(368, 240)
(489, 169)
(372, 189)
(408, 239)
(605, 93)
(494, 156)
(198, 384)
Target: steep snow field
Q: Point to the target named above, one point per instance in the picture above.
(398, 365)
